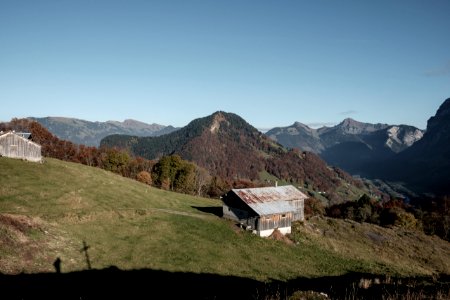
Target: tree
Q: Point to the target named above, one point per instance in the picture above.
(202, 179)
(217, 187)
(405, 220)
(184, 180)
(172, 172)
(398, 217)
(144, 177)
(165, 170)
(314, 207)
(363, 213)
(115, 161)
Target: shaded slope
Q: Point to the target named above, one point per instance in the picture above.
(351, 145)
(425, 166)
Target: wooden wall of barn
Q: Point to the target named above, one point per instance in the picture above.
(299, 209)
(15, 146)
(275, 221)
(245, 218)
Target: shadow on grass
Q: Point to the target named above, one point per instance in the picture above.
(215, 210)
(147, 284)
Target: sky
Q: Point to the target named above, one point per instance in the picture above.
(271, 62)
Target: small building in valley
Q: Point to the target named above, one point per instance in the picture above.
(17, 145)
(265, 209)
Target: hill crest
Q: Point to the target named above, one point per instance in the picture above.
(350, 145)
(89, 133)
(230, 148)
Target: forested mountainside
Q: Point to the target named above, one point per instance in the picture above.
(230, 148)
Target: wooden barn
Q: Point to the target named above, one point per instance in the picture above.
(265, 209)
(17, 145)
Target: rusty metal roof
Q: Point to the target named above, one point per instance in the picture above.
(270, 200)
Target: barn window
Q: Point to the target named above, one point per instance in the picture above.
(283, 216)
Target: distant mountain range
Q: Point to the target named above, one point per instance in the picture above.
(90, 133)
(417, 159)
(350, 145)
(229, 147)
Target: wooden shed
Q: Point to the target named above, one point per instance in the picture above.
(265, 209)
(17, 145)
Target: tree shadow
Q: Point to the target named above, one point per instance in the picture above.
(86, 254)
(215, 210)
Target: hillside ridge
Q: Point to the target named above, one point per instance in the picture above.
(350, 145)
(425, 166)
(230, 148)
(90, 133)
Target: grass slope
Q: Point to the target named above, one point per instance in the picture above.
(47, 211)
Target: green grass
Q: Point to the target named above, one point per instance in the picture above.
(267, 177)
(132, 226)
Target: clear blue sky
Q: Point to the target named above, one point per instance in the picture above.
(271, 62)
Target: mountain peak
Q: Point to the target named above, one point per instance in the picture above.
(349, 120)
(234, 151)
(351, 126)
(90, 133)
(300, 125)
(444, 109)
(441, 121)
(218, 119)
(424, 167)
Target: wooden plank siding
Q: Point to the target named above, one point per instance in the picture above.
(274, 221)
(264, 209)
(15, 146)
(299, 208)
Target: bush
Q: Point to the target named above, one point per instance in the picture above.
(144, 177)
(398, 217)
(313, 207)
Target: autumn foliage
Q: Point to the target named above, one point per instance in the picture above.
(237, 154)
(110, 159)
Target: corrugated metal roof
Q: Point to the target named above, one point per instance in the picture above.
(20, 135)
(25, 135)
(270, 200)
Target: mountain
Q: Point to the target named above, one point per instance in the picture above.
(299, 136)
(230, 148)
(90, 133)
(425, 166)
(350, 145)
(348, 130)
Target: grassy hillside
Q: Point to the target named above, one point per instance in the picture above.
(47, 211)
